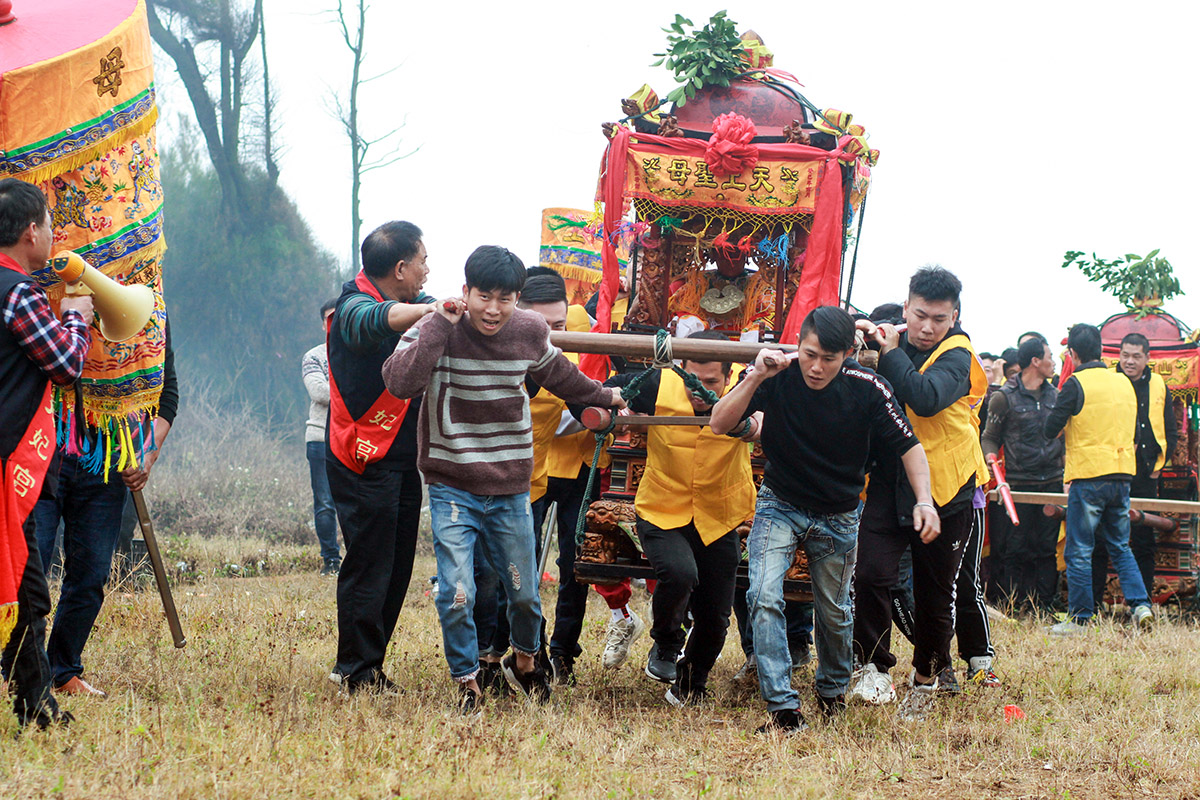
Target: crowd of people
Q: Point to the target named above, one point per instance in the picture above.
(877, 472)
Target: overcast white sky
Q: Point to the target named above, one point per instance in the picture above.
(1009, 133)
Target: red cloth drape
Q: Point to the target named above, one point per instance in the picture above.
(612, 186)
(821, 277)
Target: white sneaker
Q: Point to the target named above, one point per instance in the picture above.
(871, 686)
(1068, 627)
(1143, 618)
(918, 701)
(621, 636)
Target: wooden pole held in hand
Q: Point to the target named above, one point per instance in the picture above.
(160, 572)
(638, 346)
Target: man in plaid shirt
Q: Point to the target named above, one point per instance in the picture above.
(34, 347)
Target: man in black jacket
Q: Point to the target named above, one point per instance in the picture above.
(937, 376)
(1026, 554)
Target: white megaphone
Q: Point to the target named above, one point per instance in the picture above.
(122, 311)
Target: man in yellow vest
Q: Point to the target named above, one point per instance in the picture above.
(937, 376)
(822, 416)
(696, 489)
(1098, 410)
(1155, 440)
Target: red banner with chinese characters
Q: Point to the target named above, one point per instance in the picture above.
(24, 471)
(676, 180)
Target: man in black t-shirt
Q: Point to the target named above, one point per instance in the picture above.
(820, 417)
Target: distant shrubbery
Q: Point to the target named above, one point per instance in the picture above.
(242, 301)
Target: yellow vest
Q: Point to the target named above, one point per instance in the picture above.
(692, 474)
(1100, 436)
(951, 436)
(568, 454)
(1158, 400)
(545, 411)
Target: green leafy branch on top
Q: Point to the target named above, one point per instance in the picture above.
(1141, 283)
(710, 56)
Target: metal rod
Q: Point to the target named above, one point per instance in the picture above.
(640, 346)
(160, 572)
(549, 525)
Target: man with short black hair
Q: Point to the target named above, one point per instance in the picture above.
(1098, 410)
(696, 490)
(36, 349)
(371, 455)
(472, 356)
(822, 415)
(936, 375)
(1155, 441)
(1025, 556)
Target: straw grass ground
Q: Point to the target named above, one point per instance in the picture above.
(245, 711)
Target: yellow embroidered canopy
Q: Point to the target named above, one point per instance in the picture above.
(77, 114)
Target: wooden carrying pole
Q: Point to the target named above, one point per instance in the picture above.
(1139, 503)
(595, 418)
(640, 346)
(160, 571)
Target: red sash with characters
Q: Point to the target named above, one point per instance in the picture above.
(24, 471)
(359, 442)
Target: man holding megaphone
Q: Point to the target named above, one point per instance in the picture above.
(35, 349)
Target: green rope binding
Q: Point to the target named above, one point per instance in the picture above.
(662, 360)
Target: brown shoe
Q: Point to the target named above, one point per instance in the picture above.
(78, 685)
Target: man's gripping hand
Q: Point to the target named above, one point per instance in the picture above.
(618, 402)
(771, 362)
(452, 308)
(80, 303)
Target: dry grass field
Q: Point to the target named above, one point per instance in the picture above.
(245, 710)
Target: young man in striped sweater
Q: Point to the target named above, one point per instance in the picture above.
(475, 448)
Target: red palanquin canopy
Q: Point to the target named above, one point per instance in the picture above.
(817, 189)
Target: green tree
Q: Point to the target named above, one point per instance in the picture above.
(243, 301)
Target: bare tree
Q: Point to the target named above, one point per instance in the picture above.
(182, 27)
(354, 35)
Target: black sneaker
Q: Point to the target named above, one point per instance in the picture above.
(831, 707)
(801, 656)
(491, 679)
(660, 665)
(380, 684)
(682, 699)
(690, 688)
(470, 702)
(562, 671)
(786, 722)
(331, 567)
(532, 684)
(948, 682)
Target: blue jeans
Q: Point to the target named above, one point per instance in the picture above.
(504, 524)
(1099, 510)
(831, 543)
(91, 512)
(324, 514)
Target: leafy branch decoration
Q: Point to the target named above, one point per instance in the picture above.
(709, 56)
(1141, 283)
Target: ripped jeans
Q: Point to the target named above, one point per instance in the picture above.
(503, 524)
